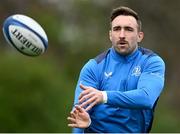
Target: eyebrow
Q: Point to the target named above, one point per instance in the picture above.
(117, 27)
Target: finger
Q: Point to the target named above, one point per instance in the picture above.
(90, 106)
(73, 125)
(72, 114)
(75, 111)
(84, 93)
(72, 120)
(86, 97)
(83, 87)
(80, 109)
(88, 102)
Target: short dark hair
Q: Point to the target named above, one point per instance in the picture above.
(126, 11)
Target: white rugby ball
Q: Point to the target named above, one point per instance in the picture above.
(25, 34)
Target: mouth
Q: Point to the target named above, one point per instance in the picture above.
(122, 43)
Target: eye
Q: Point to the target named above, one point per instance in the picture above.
(117, 28)
(129, 29)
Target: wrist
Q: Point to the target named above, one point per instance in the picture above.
(89, 122)
(104, 96)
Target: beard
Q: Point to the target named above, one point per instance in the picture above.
(124, 48)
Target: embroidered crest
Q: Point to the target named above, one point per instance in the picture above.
(136, 71)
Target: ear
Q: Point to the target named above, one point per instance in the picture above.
(140, 36)
(110, 35)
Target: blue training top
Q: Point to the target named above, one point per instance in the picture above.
(133, 85)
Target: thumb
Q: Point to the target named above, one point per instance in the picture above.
(83, 87)
(82, 110)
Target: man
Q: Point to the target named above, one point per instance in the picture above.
(118, 90)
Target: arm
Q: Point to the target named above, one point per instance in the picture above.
(87, 77)
(148, 90)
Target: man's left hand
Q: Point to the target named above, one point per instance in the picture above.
(90, 97)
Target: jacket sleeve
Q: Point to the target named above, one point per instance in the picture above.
(88, 77)
(149, 87)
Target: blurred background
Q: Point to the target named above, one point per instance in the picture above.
(36, 93)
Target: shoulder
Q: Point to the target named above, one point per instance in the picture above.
(150, 55)
(156, 62)
(93, 65)
(90, 65)
(99, 58)
(146, 52)
(152, 58)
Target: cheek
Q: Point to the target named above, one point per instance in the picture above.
(113, 38)
(133, 39)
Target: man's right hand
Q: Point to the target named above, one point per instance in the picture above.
(79, 118)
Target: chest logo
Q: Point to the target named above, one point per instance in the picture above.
(108, 74)
(136, 71)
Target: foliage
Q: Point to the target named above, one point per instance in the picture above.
(34, 95)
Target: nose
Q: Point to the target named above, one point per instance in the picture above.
(122, 33)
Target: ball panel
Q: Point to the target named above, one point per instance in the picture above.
(25, 40)
(29, 22)
(6, 33)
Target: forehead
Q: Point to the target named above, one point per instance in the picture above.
(122, 21)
